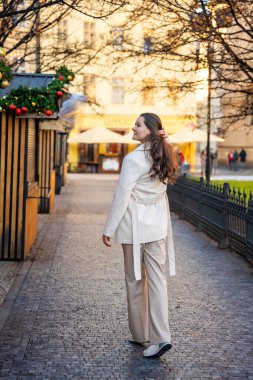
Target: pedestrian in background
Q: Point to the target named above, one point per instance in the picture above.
(213, 158)
(230, 159)
(213, 161)
(243, 155)
(235, 159)
(180, 160)
(140, 217)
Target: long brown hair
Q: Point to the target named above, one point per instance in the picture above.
(164, 164)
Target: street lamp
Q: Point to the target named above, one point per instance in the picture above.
(206, 20)
(208, 121)
(200, 23)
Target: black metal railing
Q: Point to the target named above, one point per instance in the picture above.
(224, 214)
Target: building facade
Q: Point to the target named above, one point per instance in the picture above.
(118, 93)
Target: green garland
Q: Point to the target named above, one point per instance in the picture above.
(5, 71)
(38, 100)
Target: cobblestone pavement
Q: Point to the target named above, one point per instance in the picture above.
(69, 318)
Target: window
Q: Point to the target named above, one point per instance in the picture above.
(173, 88)
(62, 31)
(148, 92)
(82, 154)
(223, 15)
(147, 45)
(15, 19)
(89, 87)
(89, 34)
(118, 91)
(147, 42)
(118, 35)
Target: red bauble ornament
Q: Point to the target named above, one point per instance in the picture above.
(59, 94)
(12, 107)
(48, 112)
(60, 77)
(24, 109)
(18, 111)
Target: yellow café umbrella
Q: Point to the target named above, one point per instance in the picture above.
(128, 139)
(188, 135)
(98, 135)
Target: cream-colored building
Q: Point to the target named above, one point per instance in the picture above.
(119, 93)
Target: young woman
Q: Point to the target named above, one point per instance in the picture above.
(140, 219)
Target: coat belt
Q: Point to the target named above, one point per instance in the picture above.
(136, 236)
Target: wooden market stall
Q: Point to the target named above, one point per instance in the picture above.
(27, 170)
(19, 189)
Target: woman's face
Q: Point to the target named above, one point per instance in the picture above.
(141, 131)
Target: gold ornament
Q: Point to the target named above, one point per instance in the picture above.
(4, 84)
(70, 77)
(34, 104)
(1, 109)
(2, 52)
(1, 75)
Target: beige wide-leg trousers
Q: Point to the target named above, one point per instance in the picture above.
(147, 298)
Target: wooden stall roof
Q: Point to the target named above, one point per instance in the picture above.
(28, 80)
(32, 80)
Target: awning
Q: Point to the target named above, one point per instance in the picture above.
(128, 139)
(187, 135)
(97, 135)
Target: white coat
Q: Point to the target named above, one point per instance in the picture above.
(140, 208)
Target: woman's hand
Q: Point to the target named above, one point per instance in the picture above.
(162, 133)
(106, 240)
